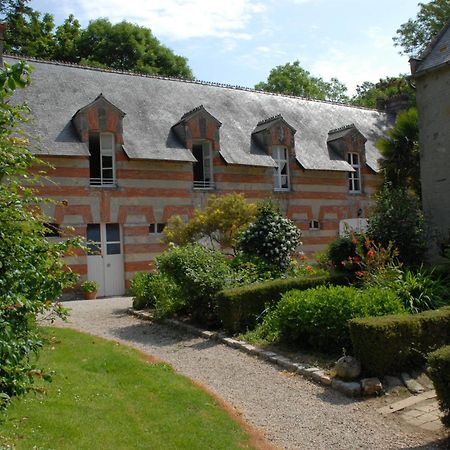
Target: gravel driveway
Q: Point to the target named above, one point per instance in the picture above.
(293, 413)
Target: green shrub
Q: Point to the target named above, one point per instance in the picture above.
(140, 292)
(239, 308)
(272, 237)
(439, 363)
(318, 318)
(342, 249)
(394, 343)
(199, 273)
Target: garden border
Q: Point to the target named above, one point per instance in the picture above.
(349, 388)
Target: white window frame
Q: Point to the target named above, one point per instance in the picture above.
(110, 151)
(208, 166)
(281, 180)
(314, 225)
(354, 178)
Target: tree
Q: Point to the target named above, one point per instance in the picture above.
(398, 218)
(368, 93)
(27, 33)
(416, 34)
(125, 46)
(400, 164)
(32, 271)
(220, 223)
(67, 38)
(291, 79)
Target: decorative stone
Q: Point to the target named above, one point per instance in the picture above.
(347, 367)
(371, 386)
(350, 388)
(321, 377)
(392, 384)
(413, 386)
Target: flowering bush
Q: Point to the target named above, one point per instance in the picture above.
(272, 237)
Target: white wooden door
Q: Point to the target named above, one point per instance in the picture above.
(105, 258)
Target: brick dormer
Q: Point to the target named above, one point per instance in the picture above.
(349, 144)
(274, 131)
(99, 116)
(198, 125)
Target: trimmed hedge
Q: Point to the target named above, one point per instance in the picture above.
(439, 362)
(240, 308)
(318, 318)
(394, 343)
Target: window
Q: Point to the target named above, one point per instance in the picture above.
(203, 168)
(354, 178)
(101, 162)
(314, 225)
(281, 173)
(156, 228)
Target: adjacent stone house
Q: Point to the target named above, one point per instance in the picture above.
(431, 75)
(129, 151)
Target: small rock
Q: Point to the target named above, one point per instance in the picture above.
(347, 367)
(413, 386)
(392, 384)
(350, 388)
(371, 386)
(321, 377)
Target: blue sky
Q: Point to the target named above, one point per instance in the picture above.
(238, 42)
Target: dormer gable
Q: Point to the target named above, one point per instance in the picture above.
(99, 116)
(274, 131)
(197, 124)
(346, 139)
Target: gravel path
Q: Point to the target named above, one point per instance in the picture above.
(293, 412)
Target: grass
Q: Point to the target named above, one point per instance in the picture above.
(107, 396)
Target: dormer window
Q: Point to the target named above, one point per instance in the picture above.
(281, 172)
(203, 168)
(101, 160)
(354, 178)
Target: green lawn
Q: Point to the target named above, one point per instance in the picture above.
(106, 396)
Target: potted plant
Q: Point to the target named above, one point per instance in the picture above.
(90, 289)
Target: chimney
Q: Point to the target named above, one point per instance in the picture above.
(397, 103)
(2, 40)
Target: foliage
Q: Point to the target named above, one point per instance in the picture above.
(318, 318)
(400, 162)
(154, 290)
(240, 308)
(223, 219)
(109, 388)
(199, 273)
(89, 286)
(272, 237)
(416, 34)
(122, 46)
(291, 79)
(398, 218)
(368, 94)
(32, 271)
(395, 343)
(126, 46)
(341, 252)
(439, 371)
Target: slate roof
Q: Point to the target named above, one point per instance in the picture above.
(154, 104)
(437, 54)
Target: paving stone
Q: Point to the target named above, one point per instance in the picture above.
(248, 348)
(432, 426)
(231, 342)
(266, 354)
(371, 386)
(407, 402)
(286, 363)
(307, 371)
(350, 388)
(412, 385)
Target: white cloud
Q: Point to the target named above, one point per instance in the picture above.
(178, 19)
(353, 67)
(379, 37)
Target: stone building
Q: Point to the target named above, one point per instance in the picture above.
(128, 151)
(431, 75)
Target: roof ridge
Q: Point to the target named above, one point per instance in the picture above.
(193, 110)
(269, 119)
(182, 80)
(345, 127)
